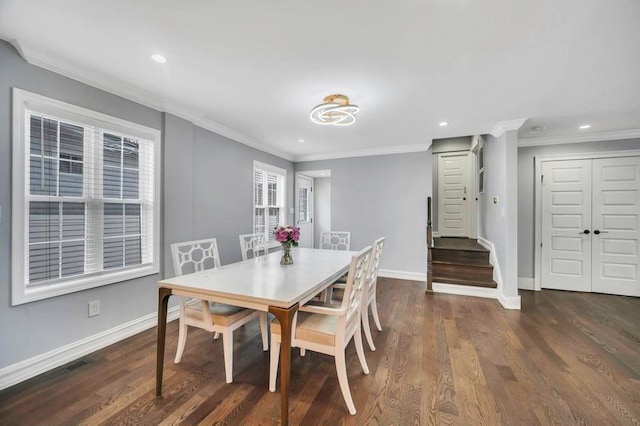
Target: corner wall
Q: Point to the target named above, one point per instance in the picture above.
(386, 196)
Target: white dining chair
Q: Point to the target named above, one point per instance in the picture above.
(369, 297)
(252, 245)
(329, 330)
(335, 240)
(219, 318)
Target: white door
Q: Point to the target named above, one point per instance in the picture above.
(453, 195)
(566, 225)
(616, 219)
(304, 210)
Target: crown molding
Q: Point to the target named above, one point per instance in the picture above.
(586, 137)
(504, 126)
(364, 152)
(132, 93)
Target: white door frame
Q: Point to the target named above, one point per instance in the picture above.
(296, 200)
(537, 270)
(471, 205)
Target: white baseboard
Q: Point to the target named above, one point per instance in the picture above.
(403, 275)
(465, 290)
(28, 368)
(488, 293)
(509, 302)
(526, 283)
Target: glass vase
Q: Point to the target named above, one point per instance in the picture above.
(287, 258)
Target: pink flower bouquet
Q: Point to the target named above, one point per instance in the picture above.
(287, 235)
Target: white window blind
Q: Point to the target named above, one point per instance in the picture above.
(87, 189)
(269, 199)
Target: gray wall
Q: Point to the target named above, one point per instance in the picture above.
(207, 192)
(382, 196)
(321, 207)
(526, 190)
(498, 222)
(34, 328)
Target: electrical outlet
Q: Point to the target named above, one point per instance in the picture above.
(94, 308)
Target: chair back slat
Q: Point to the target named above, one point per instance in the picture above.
(195, 256)
(353, 293)
(374, 265)
(252, 245)
(335, 240)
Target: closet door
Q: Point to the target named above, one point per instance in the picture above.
(566, 225)
(616, 223)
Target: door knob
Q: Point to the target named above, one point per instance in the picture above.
(597, 232)
(586, 232)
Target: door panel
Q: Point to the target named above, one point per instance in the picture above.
(616, 217)
(453, 205)
(304, 210)
(566, 213)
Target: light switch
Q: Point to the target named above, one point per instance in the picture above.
(495, 200)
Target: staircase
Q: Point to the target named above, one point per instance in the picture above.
(461, 261)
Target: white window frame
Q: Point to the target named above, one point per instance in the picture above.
(23, 103)
(282, 198)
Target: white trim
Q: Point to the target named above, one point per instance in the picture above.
(526, 283)
(403, 275)
(436, 234)
(504, 126)
(510, 302)
(28, 368)
(507, 302)
(465, 290)
(493, 259)
(23, 101)
(537, 268)
(125, 90)
(404, 149)
(580, 138)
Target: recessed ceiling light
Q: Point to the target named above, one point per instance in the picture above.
(443, 124)
(322, 174)
(159, 58)
(300, 140)
(585, 126)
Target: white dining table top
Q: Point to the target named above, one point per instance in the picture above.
(262, 282)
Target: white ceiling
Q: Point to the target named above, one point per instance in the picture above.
(253, 69)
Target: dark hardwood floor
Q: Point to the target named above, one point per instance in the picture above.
(566, 358)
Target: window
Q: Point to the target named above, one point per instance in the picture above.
(269, 184)
(85, 199)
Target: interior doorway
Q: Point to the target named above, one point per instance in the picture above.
(304, 209)
(312, 205)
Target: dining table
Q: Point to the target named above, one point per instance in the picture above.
(263, 284)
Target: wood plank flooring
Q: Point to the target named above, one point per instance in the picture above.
(566, 358)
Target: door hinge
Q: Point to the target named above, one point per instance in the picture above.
(541, 178)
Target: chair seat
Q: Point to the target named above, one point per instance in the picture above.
(221, 313)
(316, 328)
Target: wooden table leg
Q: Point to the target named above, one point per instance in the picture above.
(163, 301)
(285, 318)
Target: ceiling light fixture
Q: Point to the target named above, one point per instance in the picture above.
(585, 126)
(159, 59)
(300, 140)
(335, 110)
(443, 124)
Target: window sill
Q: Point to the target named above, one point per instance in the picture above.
(32, 294)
